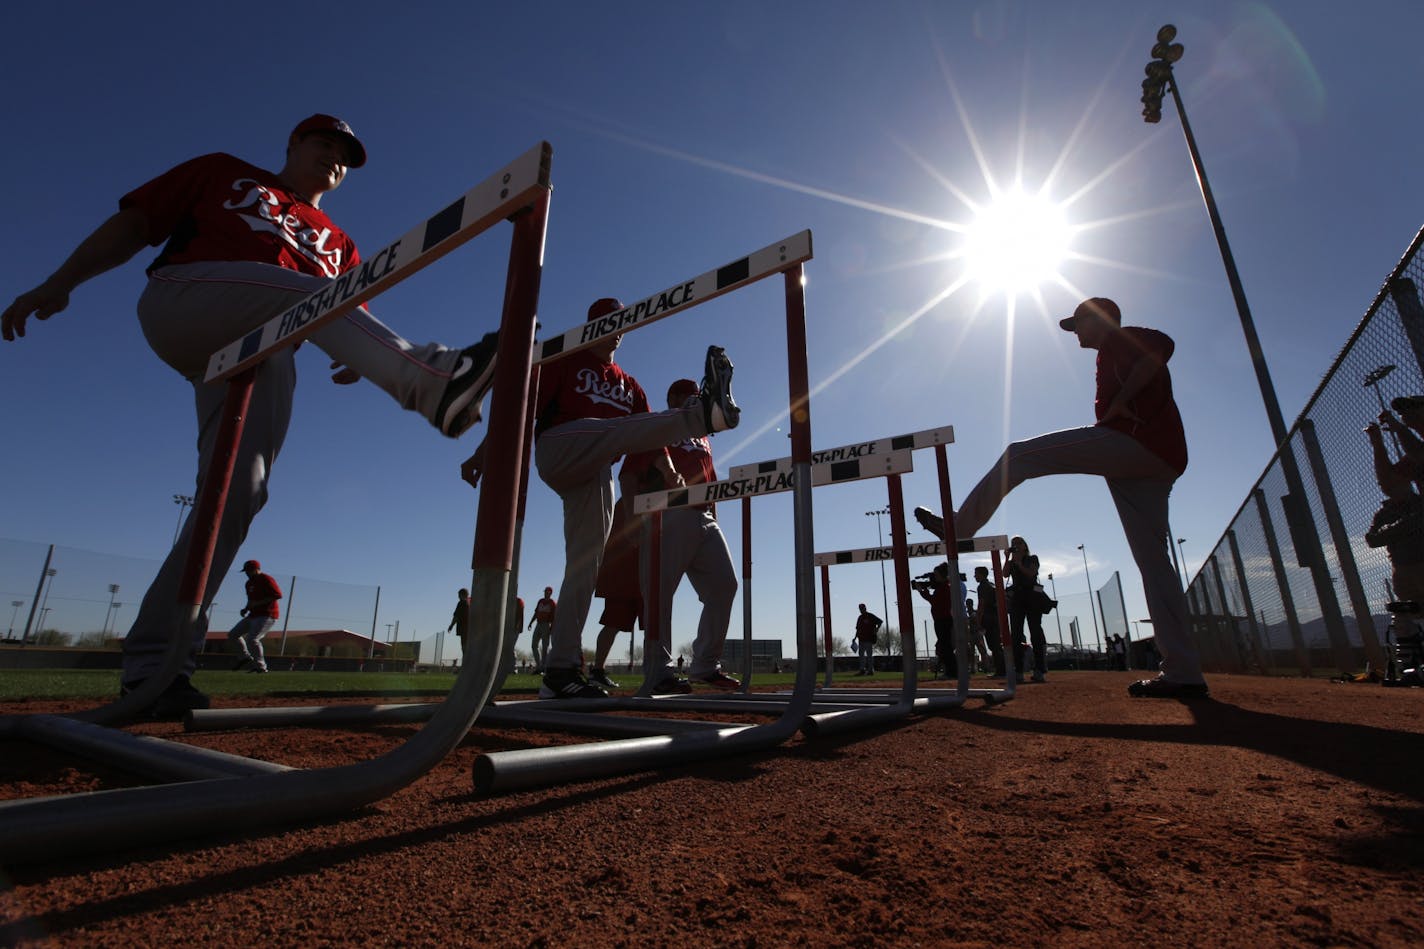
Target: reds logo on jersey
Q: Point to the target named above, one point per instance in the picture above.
(592, 385)
(267, 217)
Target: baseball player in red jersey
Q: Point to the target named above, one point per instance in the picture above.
(1139, 448)
(589, 413)
(692, 545)
(257, 617)
(240, 245)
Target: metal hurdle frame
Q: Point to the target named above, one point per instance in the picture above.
(266, 794)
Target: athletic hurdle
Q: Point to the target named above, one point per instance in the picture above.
(532, 767)
(49, 828)
(926, 698)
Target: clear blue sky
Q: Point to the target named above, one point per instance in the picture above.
(684, 136)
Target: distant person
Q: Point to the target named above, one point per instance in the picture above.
(976, 637)
(1139, 448)
(257, 617)
(543, 622)
(589, 412)
(1024, 607)
(940, 593)
(987, 619)
(241, 244)
(867, 634)
(460, 619)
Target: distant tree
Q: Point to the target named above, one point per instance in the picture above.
(890, 641)
(51, 637)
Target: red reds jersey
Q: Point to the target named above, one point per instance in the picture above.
(259, 588)
(693, 460)
(218, 207)
(581, 386)
(544, 609)
(1158, 425)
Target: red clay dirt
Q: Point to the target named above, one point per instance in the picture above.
(1281, 812)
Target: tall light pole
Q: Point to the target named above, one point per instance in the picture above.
(184, 501)
(1182, 560)
(880, 537)
(1309, 551)
(14, 613)
(113, 591)
(1058, 619)
(1097, 637)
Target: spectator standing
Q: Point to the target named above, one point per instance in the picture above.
(867, 634)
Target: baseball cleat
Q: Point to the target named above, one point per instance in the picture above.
(930, 521)
(470, 380)
(719, 411)
(568, 684)
(1160, 688)
(718, 680)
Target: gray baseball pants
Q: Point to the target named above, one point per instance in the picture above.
(187, 312)
(576, 460)
(1140, 483)
(692, 546)
(247, 636)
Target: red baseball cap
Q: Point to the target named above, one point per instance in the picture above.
(682, 390)
(603, 307)
(1100, 307)
(330, 123)
(251, 565)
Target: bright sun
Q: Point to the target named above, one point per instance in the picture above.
(1016, 243)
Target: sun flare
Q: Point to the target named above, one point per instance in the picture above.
(1016, 243)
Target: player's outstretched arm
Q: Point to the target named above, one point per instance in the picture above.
(113, 243)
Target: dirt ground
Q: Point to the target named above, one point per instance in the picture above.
(1280, 812)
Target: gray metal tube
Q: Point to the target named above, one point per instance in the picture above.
(1278, 568)
(141, 754)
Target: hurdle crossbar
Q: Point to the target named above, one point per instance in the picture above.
(477, 210)
(681, 296)
(876, 446)
(835, 472)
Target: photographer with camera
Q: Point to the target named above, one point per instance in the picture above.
(938, 592)
(1027, 601)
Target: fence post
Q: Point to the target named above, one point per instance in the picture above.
(1411, 314)
(1246, 603)
(1344, 553)
(1278, 567)
(1232, 625)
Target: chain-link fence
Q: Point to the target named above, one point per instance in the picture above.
(1292, 587)
(69, 597)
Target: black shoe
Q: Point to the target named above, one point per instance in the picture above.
(599, 677)
(672, 685)
(469, 381)
(258, 669)
(1160, 688)
(930, 521)
(719, 411)
(568, 684)
(172, 702)
(718, 680)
